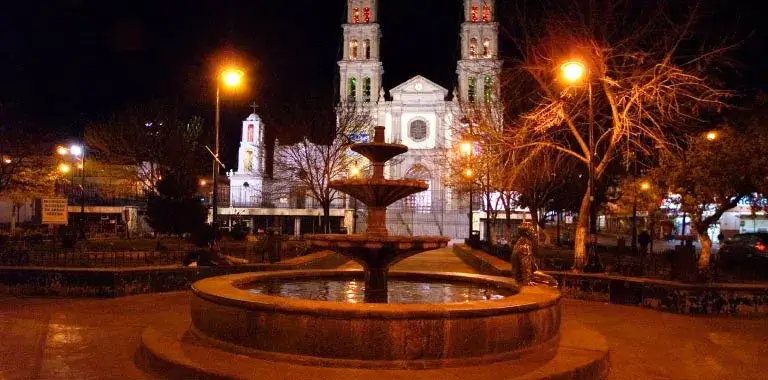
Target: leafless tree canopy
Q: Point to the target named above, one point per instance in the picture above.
(312, 166)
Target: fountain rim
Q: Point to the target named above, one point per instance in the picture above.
(368, 238)
(225, 290)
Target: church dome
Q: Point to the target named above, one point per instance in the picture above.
(253, 117)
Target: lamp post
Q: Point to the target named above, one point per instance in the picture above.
(230, 78)
(77, 151)
(465, 149)
(469, 174)
(574, 72)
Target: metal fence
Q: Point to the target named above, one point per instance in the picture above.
(49, 254)
(101, 195)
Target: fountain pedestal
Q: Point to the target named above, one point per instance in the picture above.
(374, 249)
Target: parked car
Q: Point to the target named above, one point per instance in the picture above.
(743, 248)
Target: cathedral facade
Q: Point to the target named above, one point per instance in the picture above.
(419, 113)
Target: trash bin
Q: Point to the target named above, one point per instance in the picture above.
(474, 239)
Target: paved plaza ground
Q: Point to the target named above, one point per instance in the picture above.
(97, 338)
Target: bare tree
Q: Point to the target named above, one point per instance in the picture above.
(539, 180)
(313, 166)
(153, 138)
(644, 82)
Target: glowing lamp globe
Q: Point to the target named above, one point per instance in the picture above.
(573, 71)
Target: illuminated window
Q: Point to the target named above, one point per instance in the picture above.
(250, 133)
(353, 49)
(366, 90)
(248, 160)
(356, 15)
(367, 49)
(486, 13)
(352, 89)
(471, 89)
(473, 48)
(474, 13)
(488, 89)
(417, 131)
(366, 14)
(487, 48)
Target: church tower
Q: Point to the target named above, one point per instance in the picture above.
(479, 66)
(360, 68)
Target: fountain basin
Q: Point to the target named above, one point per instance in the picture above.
(339, 334)
(379, 151)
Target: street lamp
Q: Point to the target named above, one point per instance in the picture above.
(465, 148)
(574, 72)
(77, 151)
(712, 135)
(469, 174)
(64, 168)
(231, 78)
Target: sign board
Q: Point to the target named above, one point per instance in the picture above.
(568, 219)
(53, 210)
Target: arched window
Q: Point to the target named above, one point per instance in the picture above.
(417, 130)
(250, 133)
(420, 202)
(471, 89)
(486, 13)
(367, 49)
(487, 48)
(366, 14)
(473, 48)
(474, 15)
(352, 89)
(353, 49)
(366, 90)
(356, 15)
(488, 89)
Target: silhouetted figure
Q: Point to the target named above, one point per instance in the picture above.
(644, 239)
(523, 254)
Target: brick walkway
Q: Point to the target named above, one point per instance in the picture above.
(97, 338)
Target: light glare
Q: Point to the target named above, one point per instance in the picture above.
(232, 78)
(573, 71)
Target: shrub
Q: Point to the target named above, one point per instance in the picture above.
(239, 231)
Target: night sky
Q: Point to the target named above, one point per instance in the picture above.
(67, 62)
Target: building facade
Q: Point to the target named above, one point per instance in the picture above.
(418, 113)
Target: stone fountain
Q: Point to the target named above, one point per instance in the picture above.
(308, 324)
(375, 250)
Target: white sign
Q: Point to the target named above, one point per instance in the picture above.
(568, 219)
(53, 210)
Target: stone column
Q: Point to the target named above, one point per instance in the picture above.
(377, 221)
(296, 225)
(376, 285)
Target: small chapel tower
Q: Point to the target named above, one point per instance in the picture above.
(479, 66)
(360, 67)
(251, 154)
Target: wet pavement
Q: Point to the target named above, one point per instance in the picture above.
(97, 338)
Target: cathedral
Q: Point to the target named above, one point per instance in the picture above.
(418, 113)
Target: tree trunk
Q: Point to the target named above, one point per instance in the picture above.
(508, 225)
(14, 216)
(327, 219)
(580, 237)
(706, 249)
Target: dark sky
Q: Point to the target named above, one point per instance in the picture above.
(66, 62)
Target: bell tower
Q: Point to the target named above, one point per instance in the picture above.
(479, 66)
(360, 68)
